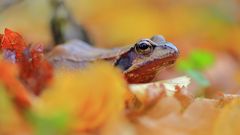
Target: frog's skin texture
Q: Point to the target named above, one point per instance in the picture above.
(139, 63)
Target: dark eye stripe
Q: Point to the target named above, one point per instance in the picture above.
(126, 60)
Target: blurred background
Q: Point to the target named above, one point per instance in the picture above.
(207, 33)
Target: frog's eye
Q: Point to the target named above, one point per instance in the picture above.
(144, 47)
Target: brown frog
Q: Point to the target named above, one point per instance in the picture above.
(139, 63)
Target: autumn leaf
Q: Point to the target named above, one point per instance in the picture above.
(52, 124)
(11, 122)
(35, 72)
(227, 122)
(14, 42)
(144, 96)
(15, 88)
(197, 59)
(92, 97)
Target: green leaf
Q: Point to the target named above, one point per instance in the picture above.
(201, 59)
(197, 60)
(184, 65)
(52, 124)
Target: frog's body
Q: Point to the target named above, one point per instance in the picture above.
(140, 63)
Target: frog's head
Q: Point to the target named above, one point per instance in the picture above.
(146, 58)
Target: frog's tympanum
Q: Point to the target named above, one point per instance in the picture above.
(139, 63)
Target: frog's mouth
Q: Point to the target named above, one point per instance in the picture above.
(146, 72)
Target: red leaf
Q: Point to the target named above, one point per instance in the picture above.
(35, 71)
(14, 42)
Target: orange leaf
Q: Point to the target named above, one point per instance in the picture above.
(8, 77)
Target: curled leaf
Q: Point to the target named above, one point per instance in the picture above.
(144, 96)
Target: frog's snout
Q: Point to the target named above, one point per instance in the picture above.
(172, 46)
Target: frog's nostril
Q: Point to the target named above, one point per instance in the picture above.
(172, 46)
(165, 46)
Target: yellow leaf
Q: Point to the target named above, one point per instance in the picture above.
(91, 97)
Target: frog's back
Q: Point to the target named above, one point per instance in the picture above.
(75, 54)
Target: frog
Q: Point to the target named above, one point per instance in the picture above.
(139, 63)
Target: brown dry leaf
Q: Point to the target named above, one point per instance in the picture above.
(197, 119)
(171, 124)
(228, 121)
(121, 127)
(143, 96)
(200, 116)
(184, 97)
(226, 99)
(164, 107)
